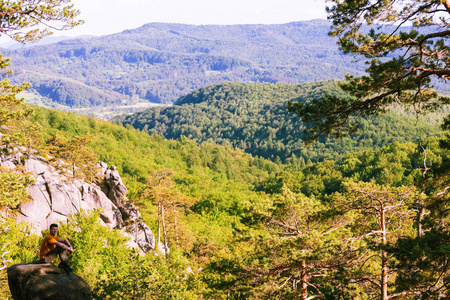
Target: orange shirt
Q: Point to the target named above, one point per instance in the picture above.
(48, 244)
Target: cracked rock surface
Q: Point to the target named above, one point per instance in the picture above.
(56, 196)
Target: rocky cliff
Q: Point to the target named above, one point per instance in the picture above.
(56, 195)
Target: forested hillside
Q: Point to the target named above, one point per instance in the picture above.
(372, 224)
(161, 62)
(254, 118)
(233, 221)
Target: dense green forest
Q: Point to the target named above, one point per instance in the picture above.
(253, 117)
(254, 229)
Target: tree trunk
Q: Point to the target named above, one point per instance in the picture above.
(175, 227)
(304, 280)
(384, 260)
(420, 214)
(159, 223)
(164, 232)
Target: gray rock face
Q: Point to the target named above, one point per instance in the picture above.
(8, 164)
(141, 235)
(129, 212)
(36, 166)
(56, 196)
(37, 210)
(14, 156)
(116, 189)
(102, 167)
(45, 281)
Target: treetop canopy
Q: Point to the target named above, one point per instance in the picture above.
(401, 60)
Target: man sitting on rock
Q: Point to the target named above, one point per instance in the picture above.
(52, 246)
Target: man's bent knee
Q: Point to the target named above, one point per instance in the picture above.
(51, 256)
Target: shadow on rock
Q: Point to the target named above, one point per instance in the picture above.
(45, 281)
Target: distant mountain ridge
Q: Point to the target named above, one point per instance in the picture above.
(161, 62)
(45, 41)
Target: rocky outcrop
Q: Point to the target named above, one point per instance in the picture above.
(142, 235)
(45, 281)
(56, 196)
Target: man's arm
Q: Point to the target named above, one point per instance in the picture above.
(64, 244)
(65, 241)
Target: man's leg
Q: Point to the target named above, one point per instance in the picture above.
(49, 257)
(63, 255)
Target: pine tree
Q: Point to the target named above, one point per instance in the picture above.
(402, 61)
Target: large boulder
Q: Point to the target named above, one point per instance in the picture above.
(11, 155)
(45, 281)
(65, 200)
(93, 197)
(129, 212)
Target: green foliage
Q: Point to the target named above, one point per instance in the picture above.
(15, 127)
(74, 153)
(30, 14)
(151, 277)
(98, 250)
(172, 205)
(253, 117)
(246, 216)
(421, 263)
(17, 245)
(395, 165)
(13, 187)
(115, 271)
(292, 256)
(401, 62)
(137, 154)
(240, 226)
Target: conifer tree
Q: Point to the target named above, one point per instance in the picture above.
(379, 216)
(170, 204)
(297, 257)
(24, 21)
(74, 152)
(405, 44)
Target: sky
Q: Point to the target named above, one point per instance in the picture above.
(111, 16)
